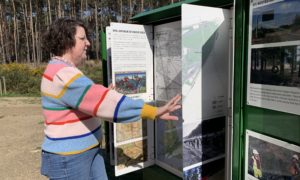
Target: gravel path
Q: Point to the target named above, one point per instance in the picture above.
(21, 134)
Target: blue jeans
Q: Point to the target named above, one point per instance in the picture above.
(88, 165)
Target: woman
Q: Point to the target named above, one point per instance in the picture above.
(71, 101)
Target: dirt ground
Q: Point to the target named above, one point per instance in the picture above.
(21, 135)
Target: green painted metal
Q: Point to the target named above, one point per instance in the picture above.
(105, 83)
(283, 126)
(240, 50)
(276, 124)
(103, 46)
(104, 56)
(173, 11)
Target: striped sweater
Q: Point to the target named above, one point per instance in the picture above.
(71, 102)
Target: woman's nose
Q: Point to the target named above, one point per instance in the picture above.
(88, 43)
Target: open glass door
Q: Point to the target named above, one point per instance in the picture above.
(205, 84)
(167, 70)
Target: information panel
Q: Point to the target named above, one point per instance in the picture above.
(274, 55)
(132, 74)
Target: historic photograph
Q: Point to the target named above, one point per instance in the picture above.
(279, 66)
(130, 82)
(277, 22)
(131, 154)
(203, 140)
(128, 131)
(270, 158)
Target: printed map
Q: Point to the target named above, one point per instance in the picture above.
(167, 55)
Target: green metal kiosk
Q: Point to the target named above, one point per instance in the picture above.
(262, 119)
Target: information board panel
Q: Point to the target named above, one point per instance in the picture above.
(132, 74)
(274, 55)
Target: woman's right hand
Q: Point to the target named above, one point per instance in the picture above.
(163, 112)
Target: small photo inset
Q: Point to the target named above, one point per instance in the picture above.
(276, 22)
(131, 154)
(278, 66)
(128, 131)
(203, 140)
(130, 82)
(270, 158)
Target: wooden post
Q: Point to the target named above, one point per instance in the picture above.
(0, 87)
(4, 85)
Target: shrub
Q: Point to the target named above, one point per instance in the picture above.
(93, 70)
(22, 79)
(25, 80)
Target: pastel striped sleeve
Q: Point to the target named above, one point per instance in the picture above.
(124, 109)
(79, 92)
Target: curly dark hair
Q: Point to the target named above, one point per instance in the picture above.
(60, 35)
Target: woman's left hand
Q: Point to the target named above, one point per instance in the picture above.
(111, 87)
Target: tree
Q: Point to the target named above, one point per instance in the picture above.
(2, 50)
(22, 22)
(15, 31)
(24, 7)
(97, 30)
(49, 11)
(32, 33)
